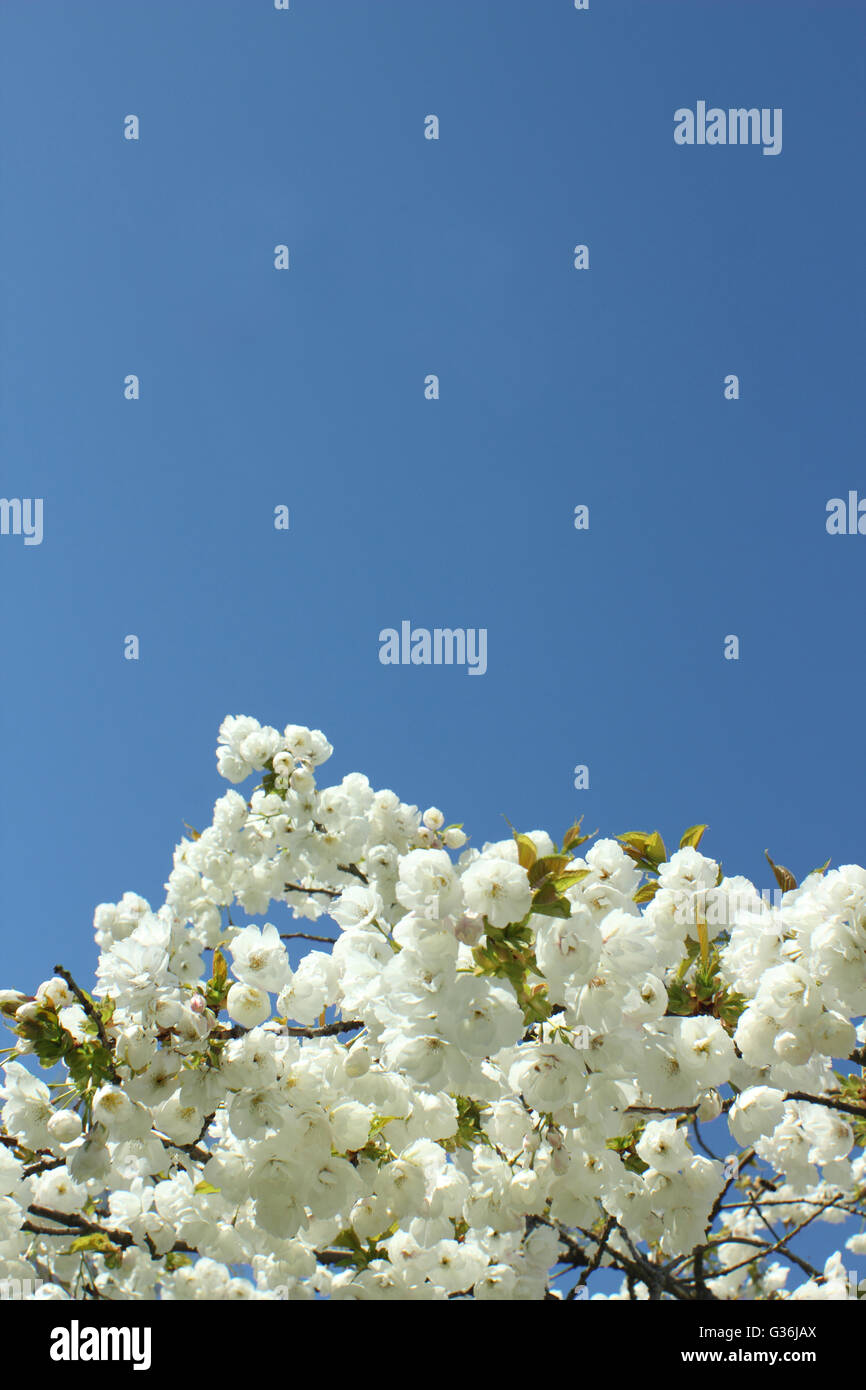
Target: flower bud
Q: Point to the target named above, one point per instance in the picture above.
(27, 1013)
(247, 1005)
(10, 1000)
(469, 929)
(167, 1012)
(283, 764)
(89, 1158)
(64, 1127)
(55, 994)
(709, 1106)
(358, 1060)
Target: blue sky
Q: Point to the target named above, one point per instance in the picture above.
(306, 388)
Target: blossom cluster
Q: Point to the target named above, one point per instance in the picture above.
(487, 1080)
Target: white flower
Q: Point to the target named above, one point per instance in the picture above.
(688, 871)
(28, 1106)
(122, 1117)
(55, 1189)
(548, 1075)
(704, 1050)
(357, 906)
(247, 1005)
(755, 1112)
(428, 883)
(664, 1146)
(11, 1174)
(259, 958)
(497, 889)
(481, 1016)
(64, 1126)
(313, 988)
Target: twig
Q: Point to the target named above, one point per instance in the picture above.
(306, 936)
(858, 1110)
(599, 1251)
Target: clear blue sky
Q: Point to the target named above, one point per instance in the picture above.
(305, 387)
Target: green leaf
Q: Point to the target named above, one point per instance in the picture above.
(646, 892)
(98, 1242)
(549, 865)
(679, 999)
(217, 986)
(50, 1052)
(655, 850)
(526, 851)
(823, 869)
(569, 878)
(205, 1187)
(648, 851)
(548, 903)
(220, 968)
(693, 836)
(635, 839)
(635, 1164)
(730, 1007)
(573, 837)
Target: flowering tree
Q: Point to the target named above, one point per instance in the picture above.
(487, 1079)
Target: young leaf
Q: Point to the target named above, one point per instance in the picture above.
(573, 836)
(526, 851)
(784, 877)
(692, 837)
(646, 892)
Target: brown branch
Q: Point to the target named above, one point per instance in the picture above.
(858, 1110)
(306, 936)
(299, 888)
(596, 1259)
(327, 1030)
(661, 1110)
(354, 871)
(780, 1245)
(192, 1150)
(44, 1165)
(742, 1162)
(73, 1223)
